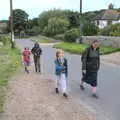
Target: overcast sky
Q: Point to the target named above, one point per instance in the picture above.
(35, 7)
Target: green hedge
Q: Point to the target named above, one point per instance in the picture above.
(72, 35)
(111, 30)
(59, 37)
(4, 39)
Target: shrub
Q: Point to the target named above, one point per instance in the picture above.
(105, 31)
(59, 37)
(112, 30)
(115, 30)
(116, 33)
(4, 39)
(72, 35)
(34, 31)
(89, 28)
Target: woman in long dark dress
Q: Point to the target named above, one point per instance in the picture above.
(90, 66)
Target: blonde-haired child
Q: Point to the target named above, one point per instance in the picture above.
(61, 70)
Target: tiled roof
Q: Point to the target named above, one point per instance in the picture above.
(108, 15)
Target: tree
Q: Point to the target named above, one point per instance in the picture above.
(73, 17)
(20, 19)
(32, 22)
(56, 26)
(89, 28)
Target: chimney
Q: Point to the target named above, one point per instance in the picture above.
(111, 6)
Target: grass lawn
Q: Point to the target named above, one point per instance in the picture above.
(79, 48)
(9, 62)
(41, 39)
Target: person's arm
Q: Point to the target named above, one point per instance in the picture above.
(41, 51)
(98, 59)
(58, 66)
(66, 66)
(32, 50)
(84, 59)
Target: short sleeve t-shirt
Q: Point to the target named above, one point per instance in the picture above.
(26, 55)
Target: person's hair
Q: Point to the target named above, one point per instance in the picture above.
(25, 48)
(58, 52)
(95, 41)
(36, 45)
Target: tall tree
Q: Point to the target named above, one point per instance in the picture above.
(55, 26)
(32, 23)
(20, 19)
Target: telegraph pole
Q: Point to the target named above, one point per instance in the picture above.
(11, 24)
(81, 21)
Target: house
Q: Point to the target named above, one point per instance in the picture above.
(107, 17)
(3, 26)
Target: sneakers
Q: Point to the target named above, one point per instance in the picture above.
(65, 95)
(82, 87)
(27, 70)
(95, 96)
(57, 91)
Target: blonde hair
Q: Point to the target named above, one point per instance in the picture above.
(58, 52)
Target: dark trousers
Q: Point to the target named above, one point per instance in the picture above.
(37, 63)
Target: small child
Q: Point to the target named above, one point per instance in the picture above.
(26, 58)
(61, 70)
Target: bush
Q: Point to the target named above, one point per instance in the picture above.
(105, 31)
(4, 39)
(112, 30)
(115, 30)
(72, 35)
(34, 31)
(116, 33)
(59, 37)
(89, 29)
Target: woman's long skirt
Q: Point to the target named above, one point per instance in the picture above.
(90, 78)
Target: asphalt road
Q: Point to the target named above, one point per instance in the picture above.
(108, 106)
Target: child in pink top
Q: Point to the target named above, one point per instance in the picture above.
(26, 58)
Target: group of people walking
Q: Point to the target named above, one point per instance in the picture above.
(90, 65)
(26, 57)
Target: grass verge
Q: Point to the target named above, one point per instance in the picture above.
(79, 48)
(9, 62)
(41, 39)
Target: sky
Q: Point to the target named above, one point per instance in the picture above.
(35, 7)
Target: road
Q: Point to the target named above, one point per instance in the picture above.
(109, 84)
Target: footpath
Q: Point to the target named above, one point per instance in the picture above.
(112, 58)
(32, 97)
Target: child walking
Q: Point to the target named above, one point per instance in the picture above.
(61, 70)
(26, 59)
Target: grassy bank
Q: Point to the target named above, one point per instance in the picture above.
(78, 48)
(9, 62)
(42, 39)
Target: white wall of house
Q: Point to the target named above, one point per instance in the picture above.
(101, 23)
(115, 22)
(104, 23)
